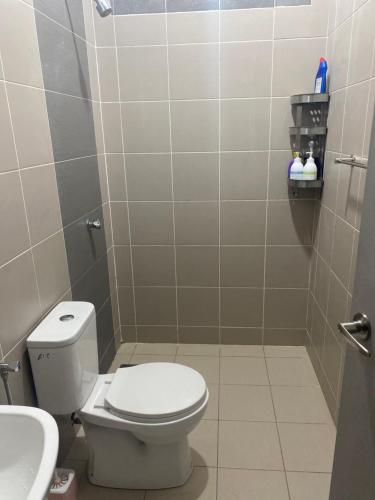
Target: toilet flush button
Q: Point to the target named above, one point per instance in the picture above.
(66, 317)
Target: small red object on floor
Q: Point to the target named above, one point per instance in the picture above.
(64, 486)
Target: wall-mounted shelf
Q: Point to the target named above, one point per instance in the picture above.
(310, 131)
(298, 184)
(309, 99)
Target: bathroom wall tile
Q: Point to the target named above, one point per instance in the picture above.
(116, 177)
(335, 120)
(194, 71)
(197, 223)
(195, 125)
(98, 127)
(281, 120)
(111, 270)
(94, 285)
(245, 4)
(126, 305)
(342, 250)
(198, 306)
(245, 124)
(332, 359)
(106, 341)
(344, 9)
(154, 265)
(21, 60)
(246, 25)
(193, 27)
(242, 223)
(353, 267)
(141, 30)
(291, 22)
(111, 113)
(322, 283)
(143, 73)
(83, 247)
(69, 14)
(88, 21)
(19, 301)
(288, 267)
(30, 123)
(186, 5)
(61, 49)
(104, 30)
(155, 306)
(103, 177)
(51, 268)
(289, 78)
(197, 266)
(348, 202)
(198, 335)
(354, 125)
(122, 7)
(337, 303)
(241, 336)
(284, 336)
(290, 222)
(318, 328)
(72, 126)
(241, 307)
(340, 56)
(362, 44)
(151, 223)
(285, 308)
(242, 266)
(158, 334)
(94, 73)
(8, 157)
(79, 187)
(325, 233)
(13, 224)
(123, 265)
(149, 177)
(244, 176)
(42, 201)
(107, 68)
(196, 176)
(119, 213)
(146, 127)
(237, 76)
(107, 224)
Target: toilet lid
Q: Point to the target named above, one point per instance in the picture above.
(155, 391)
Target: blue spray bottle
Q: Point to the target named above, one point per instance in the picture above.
(321, 77)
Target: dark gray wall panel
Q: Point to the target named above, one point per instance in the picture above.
(72, 126)
(79, 187)
(64, 59)
(83, 247)
(138, 6)
(104, 327)
(69, 13)
(191, 5)
(106, 361)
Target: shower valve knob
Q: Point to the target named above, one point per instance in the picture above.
(94, 224)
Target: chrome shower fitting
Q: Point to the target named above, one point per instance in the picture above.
(5, 368)
(104, 7)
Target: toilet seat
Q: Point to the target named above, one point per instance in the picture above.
(155, 392)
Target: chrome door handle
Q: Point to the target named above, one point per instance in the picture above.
(358, 329)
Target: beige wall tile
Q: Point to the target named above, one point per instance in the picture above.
(246, 25)
(8, 157)
(107, 65)
(144, 29)
(362, 47)
(111, 114)
(193, 27)
(303, 22)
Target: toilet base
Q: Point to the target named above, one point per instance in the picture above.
(119, 460)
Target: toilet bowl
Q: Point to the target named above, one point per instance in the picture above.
(136, 420)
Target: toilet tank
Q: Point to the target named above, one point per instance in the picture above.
(64, 357)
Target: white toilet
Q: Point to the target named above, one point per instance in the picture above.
(136, 420)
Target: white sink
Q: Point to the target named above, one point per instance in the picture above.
(29, 442)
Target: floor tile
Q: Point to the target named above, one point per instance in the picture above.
(212, 411)
(119, 360)
(291, 371)
(203, 442)
(245, 402)
(79, 450)
(249, 445)
(200, 486)
(198, 350)
(207, 366)
(307, 447)
(88, 491)
(159, 349)
(285, 351)
(305, 486)
(251, 484)
(242, 350)
(126, 348)
(138, 359)
(236, 370)
(300, 405)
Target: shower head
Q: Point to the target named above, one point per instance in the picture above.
(103, 7)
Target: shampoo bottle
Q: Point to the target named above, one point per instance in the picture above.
(296, 170)
(321, 77)
(310, 171)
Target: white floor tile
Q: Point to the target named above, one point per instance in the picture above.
(251, 485)
(245, 402)
(306, 486)
(285, 351)
(198, 350)
(160, 349)
(248, 371)
(242, 350)
(291, 372)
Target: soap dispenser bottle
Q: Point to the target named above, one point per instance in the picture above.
(310, 170)
(296, 170)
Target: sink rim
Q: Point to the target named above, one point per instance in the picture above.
(47, 464)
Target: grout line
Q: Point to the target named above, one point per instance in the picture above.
(172, 173)
(219, 179)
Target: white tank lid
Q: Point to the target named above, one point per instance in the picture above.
(155, 390)
(62, 326)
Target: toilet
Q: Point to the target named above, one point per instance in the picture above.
(136, 420)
